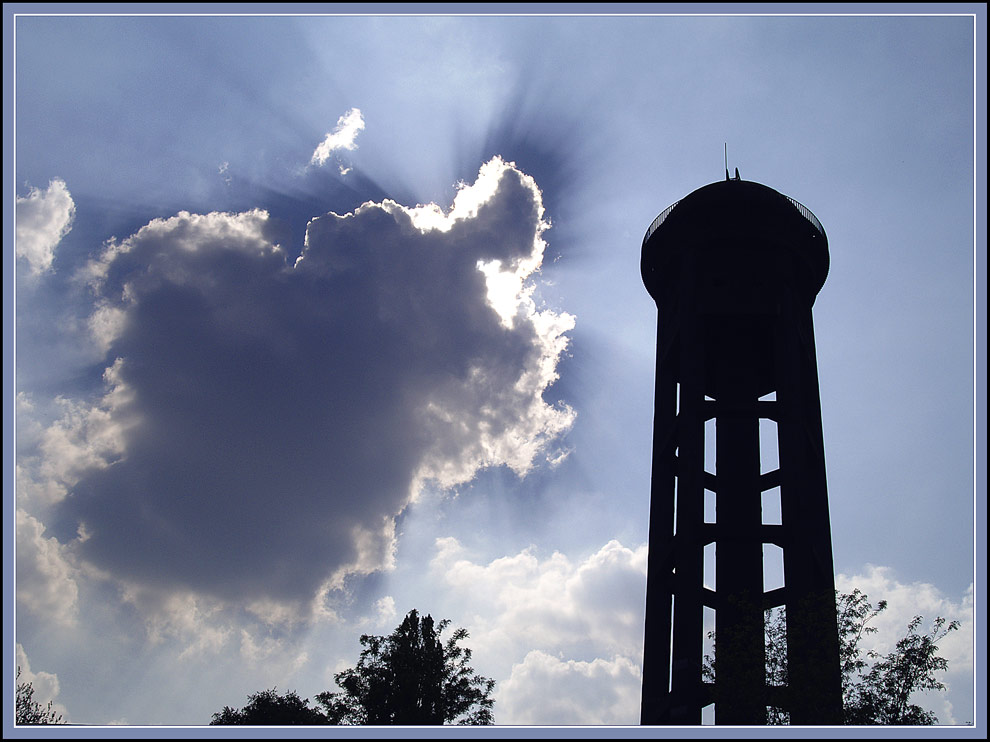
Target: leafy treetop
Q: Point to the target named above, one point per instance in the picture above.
(412, 677)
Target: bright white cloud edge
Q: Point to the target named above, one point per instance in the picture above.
(343, 136)
(90, 436)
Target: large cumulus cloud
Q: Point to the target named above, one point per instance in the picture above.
(272, 414)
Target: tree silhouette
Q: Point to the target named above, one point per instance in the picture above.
(269, 708)
(411, 677)
(882, 695)
(854, 613)
(876, 688)
(29, 711)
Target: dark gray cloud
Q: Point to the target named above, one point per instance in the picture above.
(272, 416)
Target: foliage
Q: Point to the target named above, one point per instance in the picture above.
(882, 695)
(854, 612)
(269, 708)
(875, 689)
(775, 647)
(29, 711)
(411, 677)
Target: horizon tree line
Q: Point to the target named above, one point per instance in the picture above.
(413, 677)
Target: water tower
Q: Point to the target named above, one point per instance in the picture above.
(734, 268)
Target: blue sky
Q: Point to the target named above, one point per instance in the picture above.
(265, 403)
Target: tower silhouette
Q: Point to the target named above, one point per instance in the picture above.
(734, 268)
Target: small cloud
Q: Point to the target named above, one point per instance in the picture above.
(385, 610)
(602, 691)
(85, 437)
(554, 604)
(224, 170)
(43, 219)
(342, 137)
(573, 626)
(904, 602)
(46, 582)
(45, 684)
